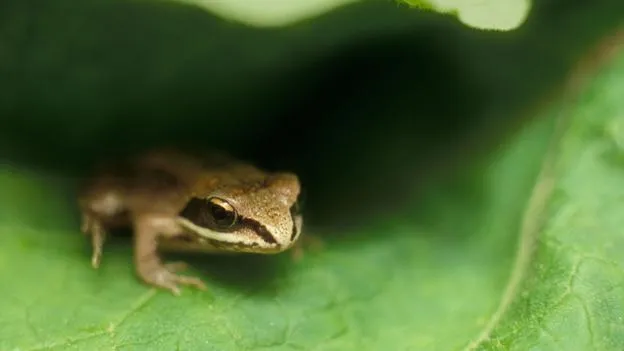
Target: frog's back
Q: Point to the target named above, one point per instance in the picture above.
(120, 187)
(162, 179)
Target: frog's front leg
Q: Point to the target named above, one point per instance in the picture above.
(148, 229)
(93, 227)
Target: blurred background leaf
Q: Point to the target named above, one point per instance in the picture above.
(496, 15)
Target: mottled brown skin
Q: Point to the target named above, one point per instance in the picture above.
(163, 196)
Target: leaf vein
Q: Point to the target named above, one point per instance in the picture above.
(589, 321)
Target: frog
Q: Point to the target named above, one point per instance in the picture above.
(180, 201)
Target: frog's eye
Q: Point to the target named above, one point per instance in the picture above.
(222, 212)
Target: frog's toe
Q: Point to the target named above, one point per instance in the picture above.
(191, 281)
(172, 282)
(164, 277)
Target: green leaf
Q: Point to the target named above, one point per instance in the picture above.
(399, 290)
(492, 14)
(269, 12)
(454, 213)
(488, 14)
(568, 282)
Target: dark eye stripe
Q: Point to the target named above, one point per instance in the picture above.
(259, 229)
(197, 212)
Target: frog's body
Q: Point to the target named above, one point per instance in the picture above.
(182, 202)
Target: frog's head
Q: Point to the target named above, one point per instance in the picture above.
(260, 216)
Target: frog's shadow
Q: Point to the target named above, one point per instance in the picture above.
(255, 273)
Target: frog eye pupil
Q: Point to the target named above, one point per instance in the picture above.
(222, 213)
(219, 213)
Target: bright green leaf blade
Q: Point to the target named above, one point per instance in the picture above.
(573, 295)
(482, 14)
(491, 14)
(269, 12)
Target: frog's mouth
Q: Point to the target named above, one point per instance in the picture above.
(241, 240)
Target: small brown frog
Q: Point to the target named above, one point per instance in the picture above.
(182, 202)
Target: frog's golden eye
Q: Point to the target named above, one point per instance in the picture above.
(222, 212)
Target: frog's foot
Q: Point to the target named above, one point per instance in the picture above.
(164, 276)
(93, 227)
(305, 243)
